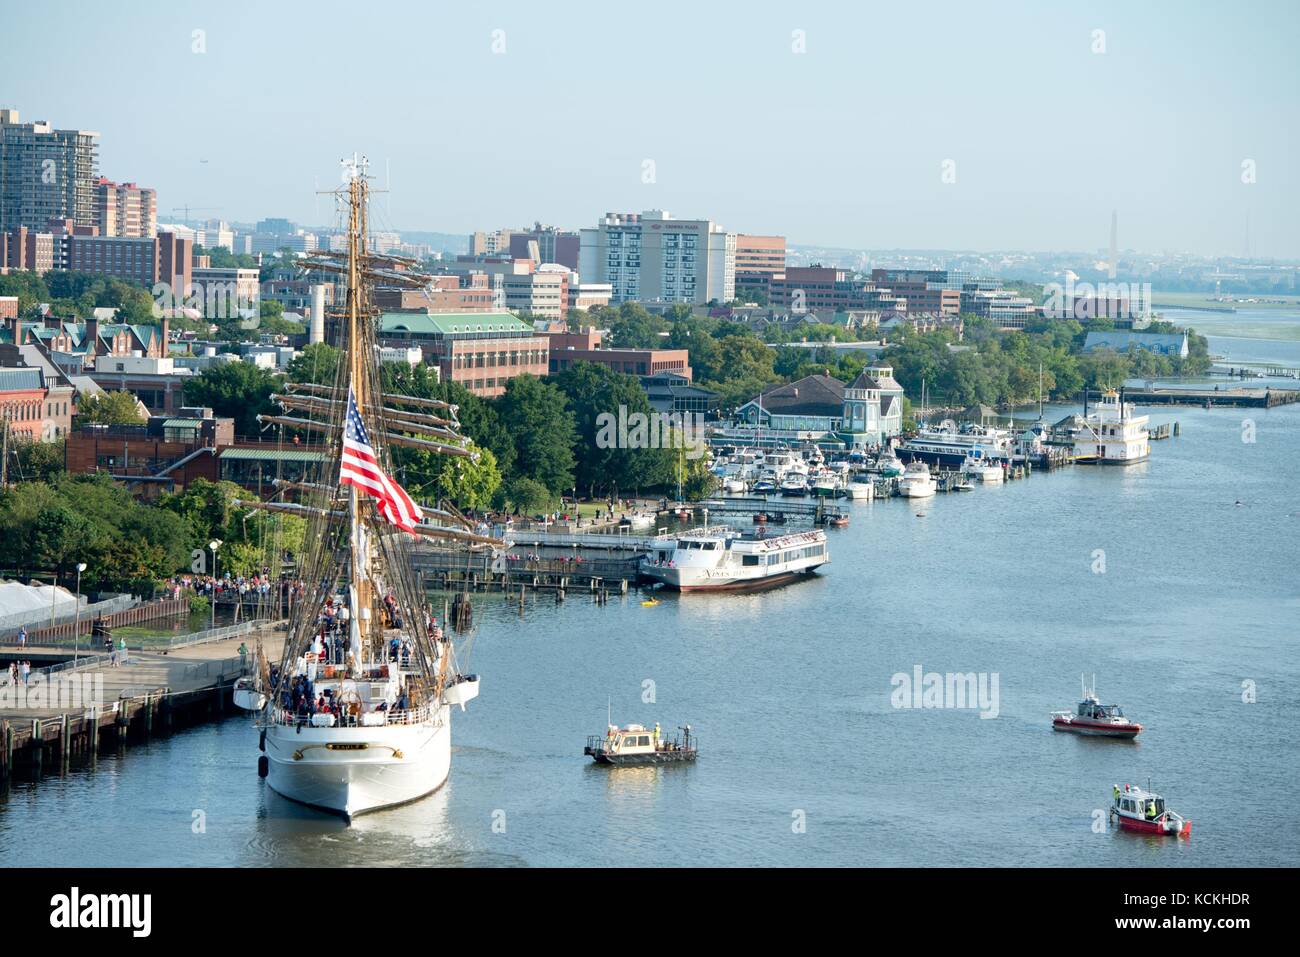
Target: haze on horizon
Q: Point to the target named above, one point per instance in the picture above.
(841, 145)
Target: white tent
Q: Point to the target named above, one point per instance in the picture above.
(33, 604)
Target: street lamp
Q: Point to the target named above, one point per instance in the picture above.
(76, 627)
(214, 545)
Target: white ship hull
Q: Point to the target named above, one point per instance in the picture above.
(914, 489)
(705, 579)
(714, 560)
(325, 768)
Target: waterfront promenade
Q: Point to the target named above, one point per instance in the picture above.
(89, 705)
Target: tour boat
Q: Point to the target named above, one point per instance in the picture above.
(1144, 811)
(718, 558)
(946, 445)
(1112, 434)
(1094, 718)
(917, 482)
(356, 715)
(637, 744)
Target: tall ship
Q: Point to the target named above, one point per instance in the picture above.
(718, 558)
(1112, 434)
(356, 714)
(947, 446)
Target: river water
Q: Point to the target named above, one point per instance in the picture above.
(1175, 581)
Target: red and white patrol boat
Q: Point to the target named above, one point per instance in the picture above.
(1145, 811)
(1093, 717)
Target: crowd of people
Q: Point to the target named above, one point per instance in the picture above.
(18, 672)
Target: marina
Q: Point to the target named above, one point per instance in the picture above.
(1155, 609)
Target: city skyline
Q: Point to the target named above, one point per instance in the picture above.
(556, 125)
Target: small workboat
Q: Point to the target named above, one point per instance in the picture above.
(1094, 718)
(963, 487)
(637, 744)
(1144, 811)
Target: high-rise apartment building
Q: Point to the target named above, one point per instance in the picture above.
(125, 209)
(45, 174)
(652, 257)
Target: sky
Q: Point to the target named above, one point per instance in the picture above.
(941, 125)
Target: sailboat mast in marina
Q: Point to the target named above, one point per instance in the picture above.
(356, 716)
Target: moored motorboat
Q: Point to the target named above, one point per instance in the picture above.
(1144, 811)
(860, 488)
(917, 482)
(889, 465)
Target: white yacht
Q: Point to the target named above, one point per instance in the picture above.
(860, 487)
(718, 558)
(889, 465)
(981, 467)
(794, 484)
(1113, 435)
(917, 482)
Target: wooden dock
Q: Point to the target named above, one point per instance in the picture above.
(1231, 397)
(93, 705)
(458, 571)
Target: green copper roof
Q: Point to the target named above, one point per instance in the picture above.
(271, 455)
(454, 323)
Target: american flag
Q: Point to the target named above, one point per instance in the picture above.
(361, 468)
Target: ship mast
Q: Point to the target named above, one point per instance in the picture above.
(356, 383)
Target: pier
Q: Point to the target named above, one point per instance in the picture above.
(1235, 397)
(76, 709)
(446, 570)
(780, 509)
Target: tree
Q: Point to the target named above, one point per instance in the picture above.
(605, 403)
(239, 390)
(317, 363)
(48, 528)
(528, 496)
(631, 326)
(542, 429)
(38, 461)
(109, 408)
(467, 483)
(479, 419)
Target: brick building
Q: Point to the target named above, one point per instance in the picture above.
(481, 351)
